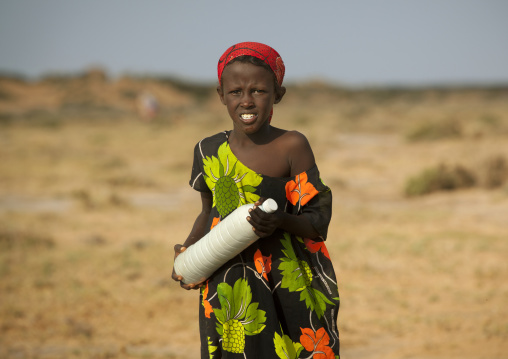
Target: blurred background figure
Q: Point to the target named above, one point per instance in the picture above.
(147, 106)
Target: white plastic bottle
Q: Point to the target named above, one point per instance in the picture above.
(226, 240)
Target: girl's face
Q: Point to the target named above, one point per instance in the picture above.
(248, 91)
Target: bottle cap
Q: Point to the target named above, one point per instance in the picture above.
(269, 206)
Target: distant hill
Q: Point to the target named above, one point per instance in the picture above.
(93, 93)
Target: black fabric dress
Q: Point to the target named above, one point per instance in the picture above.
(279, 297)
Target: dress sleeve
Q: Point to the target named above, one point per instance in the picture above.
(197, 180)
(310, 197)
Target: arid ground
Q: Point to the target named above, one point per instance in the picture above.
(93, 199)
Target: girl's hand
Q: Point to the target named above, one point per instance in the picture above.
(178, 250)
(263, 223)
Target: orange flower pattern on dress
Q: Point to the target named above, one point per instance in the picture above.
(215, 222)
(263, 264)
(206, 303)
(314, 247)
(299, 190)
(317, 343)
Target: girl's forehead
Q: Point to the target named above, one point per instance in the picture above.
(245, 71)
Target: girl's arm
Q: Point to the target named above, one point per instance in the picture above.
(197, 232)
(199, 227)
(264, 224)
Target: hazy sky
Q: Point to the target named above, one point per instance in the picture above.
(356, 42)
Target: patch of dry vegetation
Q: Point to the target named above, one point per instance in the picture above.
(491, 173)
(91, 206)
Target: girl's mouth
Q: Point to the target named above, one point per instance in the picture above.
(247, 116)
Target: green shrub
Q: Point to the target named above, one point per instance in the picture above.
(490, 120)
(11, 239)
(494, 172)
(430, 131)
(439, 178)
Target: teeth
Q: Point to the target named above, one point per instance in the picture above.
(247, 116)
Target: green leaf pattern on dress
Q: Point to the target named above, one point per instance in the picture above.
(285, 347)
(211, 348)
(237, 317)
(297, 277)
(232, 183)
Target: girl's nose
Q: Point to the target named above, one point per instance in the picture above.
(247, 100)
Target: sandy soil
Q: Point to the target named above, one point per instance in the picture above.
(90, 211)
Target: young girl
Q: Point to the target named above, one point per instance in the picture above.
(278, 298)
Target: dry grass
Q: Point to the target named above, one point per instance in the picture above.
(90, 211)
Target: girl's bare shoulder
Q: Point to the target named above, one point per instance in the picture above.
(298, 149)
(293, 140)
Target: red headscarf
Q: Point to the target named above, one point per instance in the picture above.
(256, 49)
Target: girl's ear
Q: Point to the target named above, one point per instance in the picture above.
(221, 94)
(280, 94)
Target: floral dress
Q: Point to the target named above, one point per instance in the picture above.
(279, 297)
